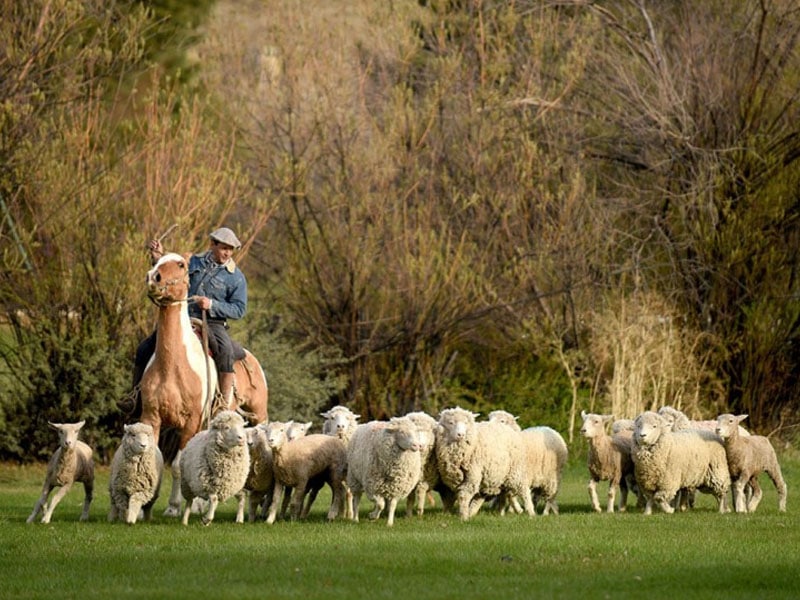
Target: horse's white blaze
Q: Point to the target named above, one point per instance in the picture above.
(199, 361)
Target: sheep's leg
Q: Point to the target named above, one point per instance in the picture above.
(174, 507)
(49, 508)
(40, 503)
(240, 497)
(390, 513)
(277, 492)
(475, 505)
(132, 513)
(739, 503)
(757, 494)
(623, 495)
(464, 497)
(527, 502)
(298, 495)
(612, 495)
(593, 495)
(336, 500)
(310, 498)
(780, 486)
(213, 502)
(112, 511)
(355, 501)
(147, 510)
(88, 494)
(287, 496)
(380, 504)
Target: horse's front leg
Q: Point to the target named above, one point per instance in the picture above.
(174, 507)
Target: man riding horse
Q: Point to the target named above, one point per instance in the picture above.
(218, 287)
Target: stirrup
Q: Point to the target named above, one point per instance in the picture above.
(127, 404)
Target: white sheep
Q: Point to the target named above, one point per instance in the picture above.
(480, 460)
(72, 461)
(383, 460)
(135, 479)
(608, 459)
(748, 457)
(429, 474)
(666, 462)
(296, 430)
(546, 456)
(215, 464)
(339, 421)
(306, 463)
(260, 482)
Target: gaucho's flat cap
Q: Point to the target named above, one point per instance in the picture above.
(225, 236)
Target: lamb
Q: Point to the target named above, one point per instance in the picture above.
(72, 461)
(260, 482)
(666, 461)
(307, 463)
(748, 457)
(215, 464)
(609, 459)
(679, 421)
(479, 460)
(383, 460)
(135, 478)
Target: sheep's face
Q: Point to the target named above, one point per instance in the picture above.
(255, 435)
(276, 434)
(594, 425)
(296, 430)
(67, 433)
(505, 418)
(648, 428)
(405, 434)
(138, 438)
(728, 424)
(229, 429)
(339, 421)
(456, 423)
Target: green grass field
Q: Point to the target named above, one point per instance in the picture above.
(700, 554)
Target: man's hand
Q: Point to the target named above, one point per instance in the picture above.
(203, 302)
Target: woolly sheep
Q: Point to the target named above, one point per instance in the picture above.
(748, 457)
(215, 464)
(135, 478)
(72, 461)
(478, 460)
(609, 459)
(383, 460)
(546, 456)
(429, 474)
(307, 463)
(260, 482)
(667, 461)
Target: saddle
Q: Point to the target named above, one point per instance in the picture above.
(238, 350)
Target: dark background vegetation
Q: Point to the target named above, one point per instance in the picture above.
(544, 206)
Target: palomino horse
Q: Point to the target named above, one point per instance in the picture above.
(177, 387)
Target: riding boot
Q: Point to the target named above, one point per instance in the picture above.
(226, 389)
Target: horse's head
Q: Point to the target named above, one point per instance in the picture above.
(168, 280)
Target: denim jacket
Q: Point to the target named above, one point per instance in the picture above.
(224, 284)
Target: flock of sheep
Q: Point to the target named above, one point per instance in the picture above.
(279, 467)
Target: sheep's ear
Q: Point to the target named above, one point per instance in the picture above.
(307, 425)
(126, 428)
(607, 418)
(741, 418)
(583, 414)
(80, 424)
(356, 417)
(54, 425)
